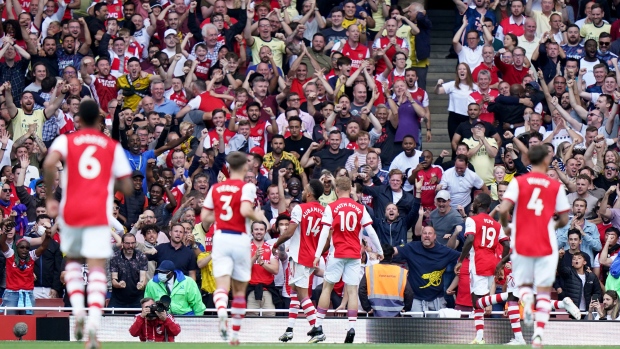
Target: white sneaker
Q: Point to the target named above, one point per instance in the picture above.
(537, 342)
(571, 308)
(528, 313)
(515, 341)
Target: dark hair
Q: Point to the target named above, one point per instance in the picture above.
(614, 230)
(99, 5)
(573, 231)
(316, 188)
(277, 137)
(42, 216)
(127, 235)
(537, 154)
(89, 112)
(252, 104)
(295, 118)
(258, 222)
(148, 227)
(580, 254)
(462, 157)
(483, 201)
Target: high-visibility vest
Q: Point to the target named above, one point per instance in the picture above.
(386, 289)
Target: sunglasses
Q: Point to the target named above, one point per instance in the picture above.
(611, 168)
(603, 43)
(6, 190)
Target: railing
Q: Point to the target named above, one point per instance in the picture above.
(4, 310)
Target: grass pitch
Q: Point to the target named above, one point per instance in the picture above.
(132, 345)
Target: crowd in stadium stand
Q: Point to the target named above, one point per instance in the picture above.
(310, 90)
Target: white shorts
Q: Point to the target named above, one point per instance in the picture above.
(538, 271)
(481, 285)
(347, 268)
(299, 275)
(232, 256)
(86, 242)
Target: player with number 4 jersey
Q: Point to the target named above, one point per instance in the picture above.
(346, 218)
(540, 208)
(303, 232)
(93, 162)
(229, 206)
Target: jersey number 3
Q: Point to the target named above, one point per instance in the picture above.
(227, 212)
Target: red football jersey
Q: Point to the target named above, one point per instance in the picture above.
(537, 198)
(104, 89)
(257, 133)
(225, 199)
(93, 161)
(213, 136)
(488, 233)
(357, 55)
(382, 43)
(304, 242)
(347, 218)
(16, 278)
(260, 275)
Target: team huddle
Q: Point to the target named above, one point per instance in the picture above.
(94, 163)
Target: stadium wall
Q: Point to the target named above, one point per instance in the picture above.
(397, 330)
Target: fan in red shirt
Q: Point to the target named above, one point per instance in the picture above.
(219, 120)
(20, 270)
(158, 327)
(352, 48)
(430, 175)
(483, 96)
(488, 53)
(514, 23)
(482, 235)
(265, 266)
(346, 218)
(515, 72)
(258, 128)
(390, 44)
(229, 205)
(303, 232)
(103, 85)
(540, 208)
(93, 162)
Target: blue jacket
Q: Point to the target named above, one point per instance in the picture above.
(590, 242)
(423, 39)
(395, 233)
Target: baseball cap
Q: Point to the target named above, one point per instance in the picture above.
(137, 173)
(534, 85)
(479, 122)
(165, 266)
(170, 32)
(258, 151)
(443, 194)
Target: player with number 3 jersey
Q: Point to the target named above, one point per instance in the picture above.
(93, 162)
(303, 232)
(540, 208)
(229, 206)
(346, 218)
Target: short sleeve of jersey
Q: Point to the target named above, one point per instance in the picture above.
(327, 216)
(502, 235)
(512, 192)
(208, 203)
(248, 192)
(561, 201)
(425, 101)
(60, 144)
(470, 226)
(366, 220)
(121, 167)
(194, 103)
(296, 215)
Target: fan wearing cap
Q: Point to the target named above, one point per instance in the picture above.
(444, 218)
(182, 290)
(482, 152)
(171, 40)
(20, 271)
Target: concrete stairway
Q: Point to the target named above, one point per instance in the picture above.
(440, 68)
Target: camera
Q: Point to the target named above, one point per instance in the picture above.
(163, 304)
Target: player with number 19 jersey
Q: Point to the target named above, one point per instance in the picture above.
(488, 233)
(225, 199)
(537, 198)
(303, 243)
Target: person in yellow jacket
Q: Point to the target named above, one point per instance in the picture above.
(384, 288)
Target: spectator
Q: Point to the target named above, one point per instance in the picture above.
(386, 194)
(514, 23)
(609, 310)
(183, 292)
(426, 261)
(482, 152)
(385, 288)
(471, 54)
(182, 257)
(459, 182)
(594, 29)
(47, 269)
(430, 176)
(264, 267)
(128, 270)
(445, 217)
(579, 292)
(392, 229)
(459, 90)
(149, 328)
(582, 184)
(589, 234)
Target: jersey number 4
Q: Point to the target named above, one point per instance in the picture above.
(535, 203)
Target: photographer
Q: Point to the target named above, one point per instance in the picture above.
(152, 325)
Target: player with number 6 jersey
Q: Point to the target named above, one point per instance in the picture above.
(540, 208)
(346, 218)
(93, 162)
(303, 232)
(229, 206)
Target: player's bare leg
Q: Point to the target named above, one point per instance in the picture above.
(351, 311)
(96, 290)
(543, 307)
(321, 311)
(220, 299)
(74, 281)
(237, 310)
(515, 321)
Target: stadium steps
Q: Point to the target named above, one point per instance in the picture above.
(439, 68)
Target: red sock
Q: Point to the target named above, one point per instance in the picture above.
(238, 312)
(309, 310)
(485, 301)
